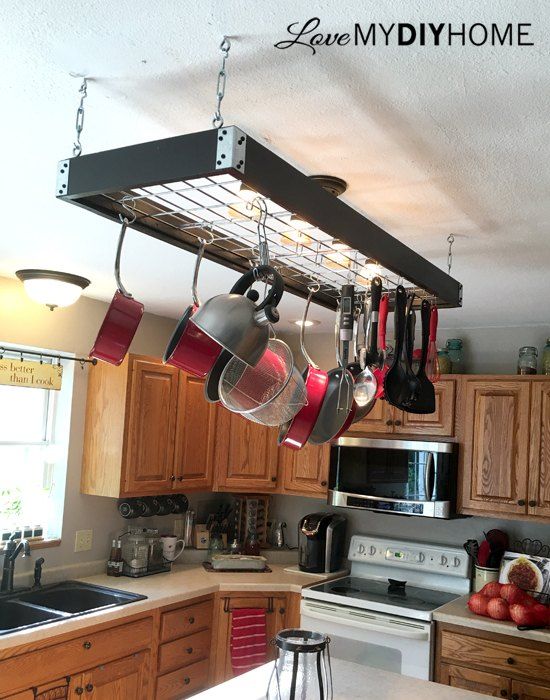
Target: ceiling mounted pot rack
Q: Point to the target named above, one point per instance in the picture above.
(179, 185)
(54, 356)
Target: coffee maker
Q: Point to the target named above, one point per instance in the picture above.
(321, 542)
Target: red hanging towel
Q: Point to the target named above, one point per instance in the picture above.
(248, 639)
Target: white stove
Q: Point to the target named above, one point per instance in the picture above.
(381, 615)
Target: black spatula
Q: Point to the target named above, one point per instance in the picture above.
(425, 398)
(400, 384)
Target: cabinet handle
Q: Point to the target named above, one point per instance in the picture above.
(282, 611)
(191, 620)
(189, 650)
(89, 688)
(532, 504)
(180, 478)
(187, 680)
(503, 692)
(273, 478)
(79, 690)
(87, 645)
(521, 502)
(515, 696)
(172, 478)
(397, 422)
(510, 661)
(323, 483)
(389, 422)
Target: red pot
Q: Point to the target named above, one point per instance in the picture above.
(190, 349)
(300, 427)
(118, 329)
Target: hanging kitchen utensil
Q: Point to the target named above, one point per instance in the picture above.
(122, 318)
(381, 370)
(235, 322)
(432, 368)
(189, 348)
(400, 384)
(366, 385)
(338, 399)
(295, 433)
(425, 399)
(272, 392)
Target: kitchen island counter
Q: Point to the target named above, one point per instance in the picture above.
(184, 582)
(350, 681)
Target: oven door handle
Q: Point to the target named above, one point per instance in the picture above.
(347, 619)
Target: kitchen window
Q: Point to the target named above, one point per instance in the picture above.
(34, 437)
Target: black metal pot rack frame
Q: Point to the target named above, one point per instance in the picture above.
(54, 356)
(185, 188)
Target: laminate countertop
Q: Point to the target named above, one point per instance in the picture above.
(457, 613)
(350, 681)
(184, 582)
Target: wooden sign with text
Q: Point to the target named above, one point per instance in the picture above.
(30, 374)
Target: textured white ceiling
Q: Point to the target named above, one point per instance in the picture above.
(430, 140)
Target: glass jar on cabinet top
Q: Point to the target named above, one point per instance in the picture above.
(546, 358)
(454, 348)
(527, 360)
(444, 361)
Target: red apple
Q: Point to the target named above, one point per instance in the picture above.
(497, 608)
(524, 615)
(478, 603)
(512, 594)
(492, 589)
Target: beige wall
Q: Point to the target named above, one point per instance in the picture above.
(73, 329)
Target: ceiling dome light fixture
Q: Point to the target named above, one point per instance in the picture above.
(308, 323)
(51, 287)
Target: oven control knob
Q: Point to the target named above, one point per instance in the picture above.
(443, 560)
(361, 549)
(372, 550)
(420, 557)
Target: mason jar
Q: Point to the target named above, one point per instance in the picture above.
(454, 348)
(527, 360)
(546, 358)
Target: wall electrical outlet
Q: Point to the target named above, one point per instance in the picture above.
(83, 540)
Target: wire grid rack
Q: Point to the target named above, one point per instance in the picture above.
(214, 208)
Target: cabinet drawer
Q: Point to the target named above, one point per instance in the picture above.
(496, 656)
(183, 682)
(184, 651)
(186, 620)
(75, 655)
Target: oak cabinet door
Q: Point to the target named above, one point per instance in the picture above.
(305, 471)
(441, 422)
(496, 446)
(151, 427)
(195, 436)
(539, 471)
(477, 681)
(529, 691)
(379, 420)
(124, 678)
(246, 454)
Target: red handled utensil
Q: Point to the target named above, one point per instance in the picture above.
(432, 365)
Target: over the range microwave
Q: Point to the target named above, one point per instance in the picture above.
(405, 477)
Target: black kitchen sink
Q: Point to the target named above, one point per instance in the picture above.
(15, 616)
(60, 601)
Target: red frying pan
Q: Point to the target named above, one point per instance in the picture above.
(189, 348)
(122, 318)
(295, 433)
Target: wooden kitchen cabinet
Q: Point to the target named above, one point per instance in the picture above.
(493, 664)
(246, 455)
(195, 436)
(305, 472)
(275, 604)
(123, 678)
(539, 459)
(495, 449)
(476, 681)
(391, 421)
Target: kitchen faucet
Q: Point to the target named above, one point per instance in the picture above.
(11, 552)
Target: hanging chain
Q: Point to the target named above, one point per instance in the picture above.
(450, 241)
(217, 122)
(79, 124)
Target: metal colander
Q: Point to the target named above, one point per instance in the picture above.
(272, 392)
